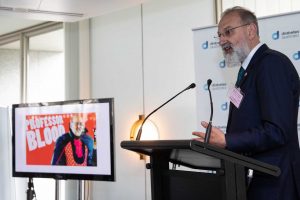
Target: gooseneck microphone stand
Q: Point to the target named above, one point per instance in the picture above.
(138, 137)
(30, 190)
(209, 127)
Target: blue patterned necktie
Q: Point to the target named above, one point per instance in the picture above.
(240, 75)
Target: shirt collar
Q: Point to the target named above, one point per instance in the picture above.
(250, 55)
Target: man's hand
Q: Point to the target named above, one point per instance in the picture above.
(217, 137)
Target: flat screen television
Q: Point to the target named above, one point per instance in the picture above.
(64, 140)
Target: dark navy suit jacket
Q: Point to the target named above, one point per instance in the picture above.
(264, 127)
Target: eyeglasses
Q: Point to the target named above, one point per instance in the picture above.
(228, 32)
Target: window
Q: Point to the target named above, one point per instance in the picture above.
(46, 72)
(264, 7)
(32, 70)
(10, 70)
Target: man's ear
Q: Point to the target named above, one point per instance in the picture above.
(252, 31)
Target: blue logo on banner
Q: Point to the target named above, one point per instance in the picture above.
(205, 45)
(224, 106)
(296, 56)
(222, 64)
(275, 35)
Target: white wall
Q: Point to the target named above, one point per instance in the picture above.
(116, 71)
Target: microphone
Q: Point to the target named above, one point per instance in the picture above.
(208, 129)
(138, 137)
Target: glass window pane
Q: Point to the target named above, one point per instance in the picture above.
(10, 73)
(264, 7)
(46, 74)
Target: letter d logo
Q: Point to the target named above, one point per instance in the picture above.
(205, 45)
(296, 56)
(222, 64)
(224, 106)
(275, 35)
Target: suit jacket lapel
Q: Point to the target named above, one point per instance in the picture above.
(256, 57)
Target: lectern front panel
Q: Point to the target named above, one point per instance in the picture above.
(180, 185)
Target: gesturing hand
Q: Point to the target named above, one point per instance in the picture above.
(217, 137)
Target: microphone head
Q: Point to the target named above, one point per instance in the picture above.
(193, 85)
(209, 81)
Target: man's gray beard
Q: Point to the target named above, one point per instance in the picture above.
(238, 55)
(75, 132)
(232, 60)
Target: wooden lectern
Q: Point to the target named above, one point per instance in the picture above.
(216, 174)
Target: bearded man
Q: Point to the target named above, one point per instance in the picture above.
(263, 123)
(76, 147)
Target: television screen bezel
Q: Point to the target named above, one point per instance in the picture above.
(65, 176)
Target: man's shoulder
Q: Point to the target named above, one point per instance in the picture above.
(267, 52)
(63, 138)
(272, 58)
(86, 137)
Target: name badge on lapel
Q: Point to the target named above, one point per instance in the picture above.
(236, 96)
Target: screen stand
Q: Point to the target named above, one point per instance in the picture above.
(57, 189)
(30, 190)
(83, 189)
(80, 183)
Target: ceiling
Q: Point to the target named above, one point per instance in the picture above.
(18, 14)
